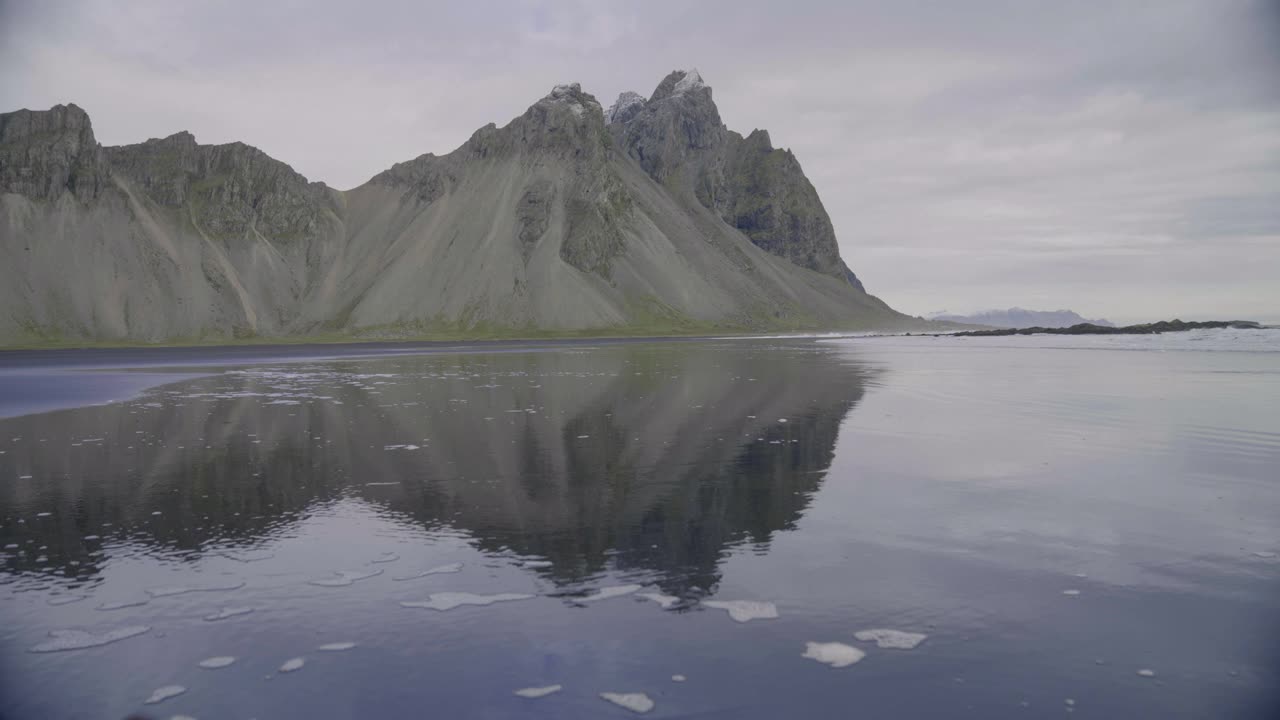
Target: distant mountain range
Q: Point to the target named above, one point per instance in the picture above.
(1017, 317)
(652, 218)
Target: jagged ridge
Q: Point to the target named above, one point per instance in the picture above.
(659, 221)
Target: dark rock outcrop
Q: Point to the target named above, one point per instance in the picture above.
(1155, 328)
(46, 153)
(230, 189)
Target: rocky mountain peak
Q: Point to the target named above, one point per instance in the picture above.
(571, 96)
(677, 136)
(44, 153)
(625, 107)
(681, 82)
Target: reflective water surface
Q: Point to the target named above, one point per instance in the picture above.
(425, 535)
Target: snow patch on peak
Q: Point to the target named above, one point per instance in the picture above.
(565, 90)
(691, 81)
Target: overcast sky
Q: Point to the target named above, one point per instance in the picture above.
(1121, 159)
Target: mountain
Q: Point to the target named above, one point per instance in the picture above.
(654, 218)
(1016, 317)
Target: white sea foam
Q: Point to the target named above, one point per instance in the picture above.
(678, 678)
(891, 639)
(451, 600)
(835, 654)
(1264, 554)
(80, 639)
(745, 610)
(1071, 592)
(293, 664)
(666, 601)
(537, 692)
(450, 568)
(215, 663)
(164, 693)
(1146, 672)
(536, 564)
(609, 592)
(385, 557)
(635, 702)
(336, 647)
(183, 589)
(228, 612)
(346, 577)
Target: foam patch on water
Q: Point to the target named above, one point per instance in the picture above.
(336, 647)
(635, 702)
(835, 654)
(1145, 672)
(122, 604)
(81, 639)
(745, 610)
(183, 590)
(1071, 592)
(1264, 554)
(293, 664)
(678, 678)
(609, 592)
(164, 693)
(443, 569)
(228, 612)
(891, 639)
(385, 557)
(346, 577)
(537, 692)
(536, 564)
(451, 600)
(666, 601)
(215, 663)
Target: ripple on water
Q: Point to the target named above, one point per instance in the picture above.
(451, 600)
(122, 604)
(835, 654)
(441, 569)
(745, 610)
(215, 663)
(80, 639)
(228, 612)
(635, 702)
(346, 577)
(170, 591)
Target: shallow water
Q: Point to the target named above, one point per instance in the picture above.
(642, 493)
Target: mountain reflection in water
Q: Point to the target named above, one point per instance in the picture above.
(644, 458)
